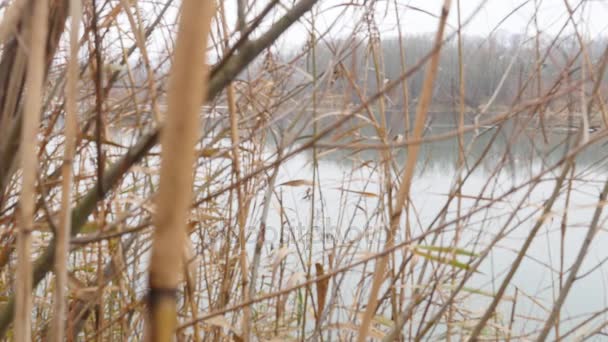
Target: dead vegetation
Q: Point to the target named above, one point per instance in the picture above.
(238, 171)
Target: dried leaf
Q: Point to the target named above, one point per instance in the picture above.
(321, 291)
(279, 255)
(297, 182)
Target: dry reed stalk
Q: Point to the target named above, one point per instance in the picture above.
(187, 86)
(29, 165)
(65, 216)
(387, 157)
(241, 202)
(402, 195)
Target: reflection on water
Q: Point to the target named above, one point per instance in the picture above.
(348, 213)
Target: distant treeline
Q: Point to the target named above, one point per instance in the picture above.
(485, 61)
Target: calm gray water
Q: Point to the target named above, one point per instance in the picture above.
(343, 217)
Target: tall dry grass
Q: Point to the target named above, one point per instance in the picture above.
(267, 170)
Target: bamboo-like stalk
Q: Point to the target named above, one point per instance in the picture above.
(65, 216)
(188, 84)
(29, 165)
(403, 193)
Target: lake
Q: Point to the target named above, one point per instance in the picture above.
(350, 221)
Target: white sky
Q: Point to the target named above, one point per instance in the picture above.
(552, 15)
(591, 17)
(420, 16)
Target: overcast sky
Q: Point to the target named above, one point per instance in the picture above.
(592, 16)
(552, 15)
